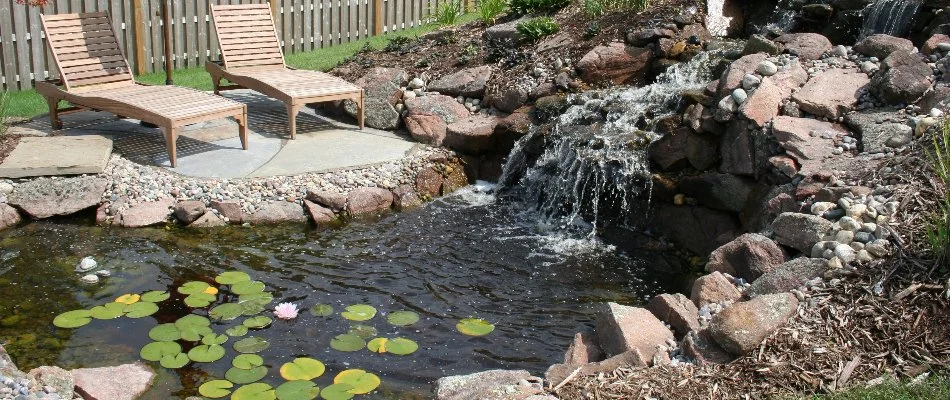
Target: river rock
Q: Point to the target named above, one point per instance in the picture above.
(748, 256)
(320, 215)
(647, 36)
(676, 310)
(807, 46)
(763, 104)
(881, 45)
(44, 198)
(621, 329)
(800, 231)
(788, 276)
(145, 214)
(616, 62)
(59, 380)
(381, 94)
(713, 288)
(230, 210)
(426, 128)
(904, 78)
(700, 346)
(507, 31)
(190, 210)
(332, 200)
(469, 82)
(930, 46)
(741, 327)
(472, 135)
(726, 192)
(9, 216)
(125, 382)
(276, 212)
(208, 220)
(697, 229)
(488, 385)
(368, 200)
(832, 93)
(732, 77)
(583, 350)
(671, 151)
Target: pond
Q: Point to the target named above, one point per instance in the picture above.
(466, 255)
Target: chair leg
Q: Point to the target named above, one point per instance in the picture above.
(362, 112)
(216, 82)
(242, 127)
(54, 120)
(171, 136)
(292, 110)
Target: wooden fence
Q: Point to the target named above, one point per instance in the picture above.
(302, 25)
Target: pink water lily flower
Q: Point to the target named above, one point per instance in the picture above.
(286, 311)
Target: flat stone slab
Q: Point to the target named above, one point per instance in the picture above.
(57, 155)
(335, 149)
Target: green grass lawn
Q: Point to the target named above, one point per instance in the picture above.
(937, 387)
(29, 104)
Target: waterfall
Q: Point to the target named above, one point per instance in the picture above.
(591, 165)
(892, 17)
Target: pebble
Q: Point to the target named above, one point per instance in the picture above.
(90, 279)
(840, 51)
(821, 207)
(943, 47)
(416, 83)
(869, 67)
(740, 96)
(86, 264)
(750, 82)
(767, 68)
(845, 253)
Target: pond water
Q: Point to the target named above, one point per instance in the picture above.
(467, 255)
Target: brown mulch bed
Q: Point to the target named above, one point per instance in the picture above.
(7, 144)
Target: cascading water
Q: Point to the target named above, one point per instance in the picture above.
(892, 17)
(594, 164)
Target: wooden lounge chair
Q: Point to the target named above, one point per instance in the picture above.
(95, 75)
(252, 58)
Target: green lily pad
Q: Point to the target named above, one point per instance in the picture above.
(363, 382)
(206, 353)
(251, 309)
(192, 320)
(232, 277)
(397, 346)
(226, 311)
(251, 344)
(239, 330)
(247, 361)
(247, 287)
(402, 318)
(321, 310)
(165, 333)
(141, 309)
(213, 339)
(245, 376)
(255, 391)
(155, 296)
(338, 391)
(176, 361)
(475, 327)
(260, 299)
(193, 287)
(193, 327)
(195, 333)
(297, 390)
(302, 369)
(199, 300)
(73, 319)
(108, 311)
(359, 312)
(347, 342)
(155, 351)
(364, 331)
(258, 322)
(215, 389)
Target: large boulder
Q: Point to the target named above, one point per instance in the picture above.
(189, 211)
(720, 191)
(881, 45)
(277, 212)
(469, 82)
(442, 106)
(508, 98)
(763, 104)
(713, 288)
(904, 78)
(381, 92)
(427, 128)
(125, 382)
(583, 349)
(146, 214)
(616, 62)
(621, 329)
(332, 200)
(748, 256)
(800, 231)
(734, 74)
(930, 46)
(472, 135)
(788, 276)
(697, 229)
(832, 93)
(808, 141)
(488, 385)
(676, 310)
(702, 348)
(368, 200)
(807, 46)
(741, 327)
(44, 198)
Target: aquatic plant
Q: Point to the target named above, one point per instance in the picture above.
(286, 311)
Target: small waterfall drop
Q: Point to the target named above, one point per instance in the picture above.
(591, 165)
(892, 17)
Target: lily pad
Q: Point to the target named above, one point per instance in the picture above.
(321, 310)
(255, 391)
(251, 344)
(247, 361)
(213, 339)
(255, 299)
(297, 390)
(128, 299)
(258, 322)
(199, 300)
(245, 376)
(364, 331)
(193, 287)
(339, 391)
(359, 312)
(402, 318)
(347, 342)
(232, 277)
(236, 331)
(155, 351)
(108, 311)
(165, 333)
(474, 327)
(363, 382)
(176, 361)
(397, 346)
(73, 319)
(215, 389)
(155, 296)
(206, 353)
(192, 320)
(247, 287)
(140, 309)
(251, 309)
(302, 369)
(226, 311)
(195, 333)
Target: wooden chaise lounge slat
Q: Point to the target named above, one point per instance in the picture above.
(253, 59)
(96, 75)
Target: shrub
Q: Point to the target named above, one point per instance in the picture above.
(536, 28)
(489, 10)
(448, 13)
(938, 229)
(399, 44)
(523, 7)
(596, 8)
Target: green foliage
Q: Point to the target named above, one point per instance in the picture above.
(4, 102)
(596, 8)
(524, 7)
(535, 29)
(489, 10)
(448, 13)
(592, 30)
(933, 388)
(938, 229)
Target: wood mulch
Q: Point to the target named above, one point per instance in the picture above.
(8, 142)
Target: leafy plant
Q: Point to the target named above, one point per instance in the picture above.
(448, 13)
(534, 29)
(596, 8)
(398, 44)
(592, 30)
(489, 10)
(938, 231)
(4, 103)
(524, 7)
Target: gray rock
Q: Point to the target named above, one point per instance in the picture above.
(44, 198)
(468, 82)
(487, 385)
(760, 44)
(720, 191)
(767, 68)
(741, 327)
(740, 96)
(507, 98)
(904, 78)
(878, 131)
(788, 276)
(277, 212)
(751, 82)
(749, 256)
(54, 380)
(800, 231)
(381, 93)
(702, 348)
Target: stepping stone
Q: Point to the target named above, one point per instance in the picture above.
(59, 155)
